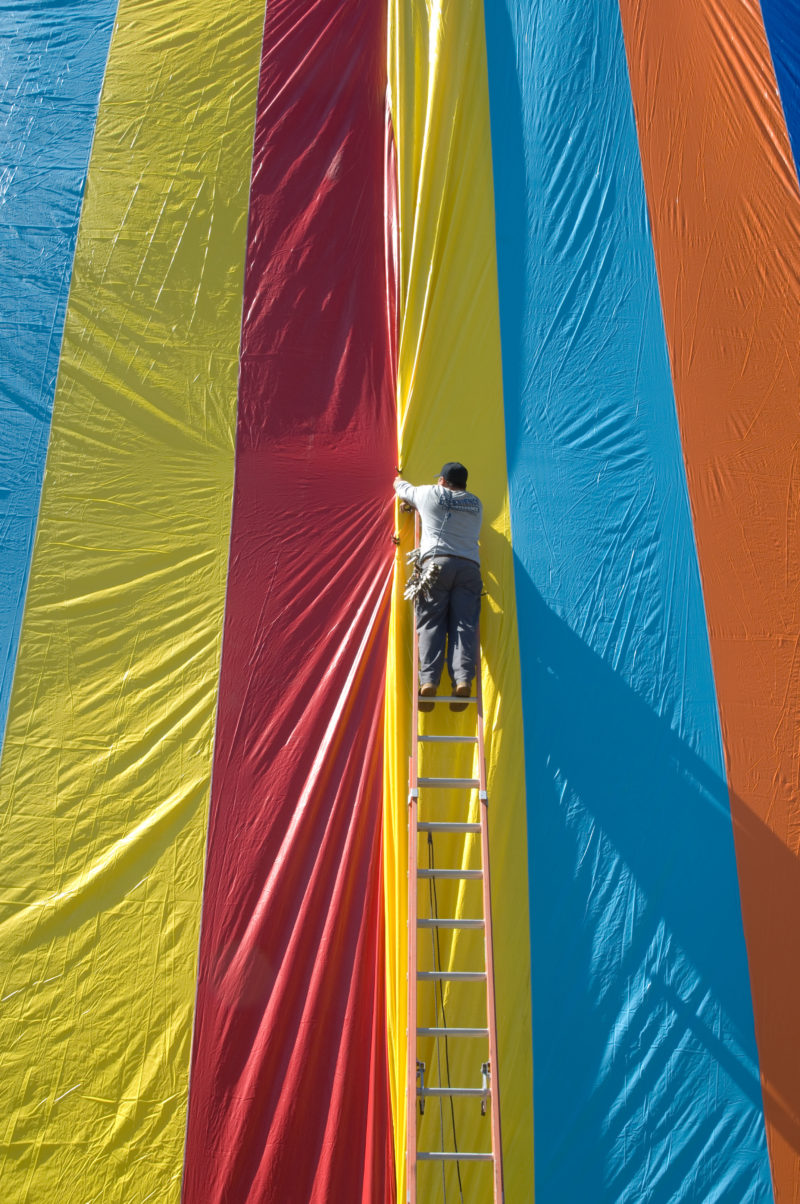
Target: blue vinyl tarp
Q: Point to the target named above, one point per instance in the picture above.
(782, 23)
(645, 1064)
(52, 58)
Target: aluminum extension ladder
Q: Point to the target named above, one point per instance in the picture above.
(417, 1091)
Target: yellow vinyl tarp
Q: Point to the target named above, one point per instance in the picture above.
(450, 406)
(104, 781)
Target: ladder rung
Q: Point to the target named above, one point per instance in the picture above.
(451, 976)
(423, 766)
(438, 1092)
(453, 923)
(452, 1032)
(434, 1156)
(443, 827)
(454, 783)
(450, 874)
(447, 739)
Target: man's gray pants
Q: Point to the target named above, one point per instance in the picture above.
(450, 616)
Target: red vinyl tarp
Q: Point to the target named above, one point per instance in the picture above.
(288, 1094)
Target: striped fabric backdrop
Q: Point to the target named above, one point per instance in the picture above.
(257, 257)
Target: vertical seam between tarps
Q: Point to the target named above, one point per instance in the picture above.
(391, 210)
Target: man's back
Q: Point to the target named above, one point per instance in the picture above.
(451, 519)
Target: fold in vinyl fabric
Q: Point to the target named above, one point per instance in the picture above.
(566, 255)
(450, 406)
(289, 1091)
(729, 272)
(105, 776)
(645, 1064)
(51, 67)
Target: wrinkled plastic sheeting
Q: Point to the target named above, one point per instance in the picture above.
(51, 66)
(105, 774)
(782, 25)
(450, 406)
(289, 1090)
(729, 274)
(646, 1070)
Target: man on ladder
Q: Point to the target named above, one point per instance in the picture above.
(446, 588)
(448, 603)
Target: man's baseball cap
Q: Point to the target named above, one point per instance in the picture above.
(455, 474)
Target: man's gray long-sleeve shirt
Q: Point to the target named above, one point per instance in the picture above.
(451, 519)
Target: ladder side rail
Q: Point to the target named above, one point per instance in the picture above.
(494, 1079)
(411, 1032)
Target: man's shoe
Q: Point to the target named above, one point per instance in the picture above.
(426, 690)
(462, 690)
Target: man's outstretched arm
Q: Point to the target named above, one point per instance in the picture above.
(405, 492)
